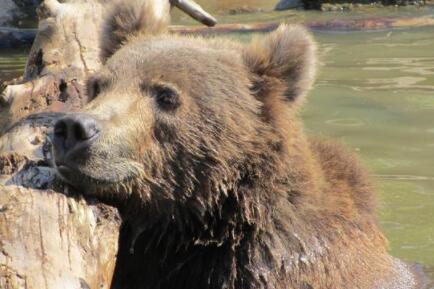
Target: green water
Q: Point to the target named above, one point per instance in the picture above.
(11, 64)
(375, 92)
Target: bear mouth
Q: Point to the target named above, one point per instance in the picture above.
(88, 167)
(87, 179)
(73, 176)
(66, 171)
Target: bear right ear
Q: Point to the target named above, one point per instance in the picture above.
(282, 64)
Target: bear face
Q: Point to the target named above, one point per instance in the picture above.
(173, 115)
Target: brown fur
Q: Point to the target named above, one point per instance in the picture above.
(225, 188)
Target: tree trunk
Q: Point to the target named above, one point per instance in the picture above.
(51, 241)
(50, 238)
(65, 50)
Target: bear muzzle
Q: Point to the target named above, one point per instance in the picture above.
(73, 135)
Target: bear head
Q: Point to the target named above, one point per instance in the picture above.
(186, 123)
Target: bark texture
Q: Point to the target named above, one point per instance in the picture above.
(48, 239)
(65, 50)
(51, 241)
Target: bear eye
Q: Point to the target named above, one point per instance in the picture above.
(94, 87)
(166, 97)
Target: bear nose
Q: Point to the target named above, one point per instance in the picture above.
(75, 129)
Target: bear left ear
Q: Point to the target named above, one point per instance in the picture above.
(282, 64)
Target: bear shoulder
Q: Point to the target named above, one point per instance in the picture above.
(344, 174)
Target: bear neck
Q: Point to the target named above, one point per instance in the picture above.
(225, 201)
(196, 246)
(267, 223)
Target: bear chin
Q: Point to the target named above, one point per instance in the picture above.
(93, 181)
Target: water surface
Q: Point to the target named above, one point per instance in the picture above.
(11, 64)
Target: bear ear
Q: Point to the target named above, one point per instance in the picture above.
(132, 18)
(282, 64)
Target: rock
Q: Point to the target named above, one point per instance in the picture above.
(288, 4)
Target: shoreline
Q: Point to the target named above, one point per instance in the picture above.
(23, 38)
(338, 25)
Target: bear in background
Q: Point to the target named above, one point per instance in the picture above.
(199, 143)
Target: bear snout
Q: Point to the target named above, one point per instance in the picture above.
(73, 132)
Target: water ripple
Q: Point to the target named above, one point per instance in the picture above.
(404, 177)
(345, 122)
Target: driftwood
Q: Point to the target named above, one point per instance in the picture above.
(51, 238)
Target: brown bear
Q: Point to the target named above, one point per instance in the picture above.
(198, 142)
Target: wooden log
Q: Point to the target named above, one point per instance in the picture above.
(195, 11)
(52, 241)
(50, 238)
(65, 50)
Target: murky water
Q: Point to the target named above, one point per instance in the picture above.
(375, 92)
(11, 64)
